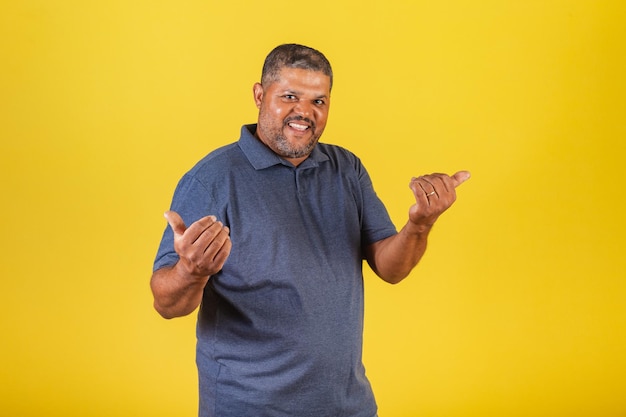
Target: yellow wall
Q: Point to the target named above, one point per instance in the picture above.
(518, 309)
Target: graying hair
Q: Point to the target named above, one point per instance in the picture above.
(292, 55)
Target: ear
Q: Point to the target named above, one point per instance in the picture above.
(257, 91)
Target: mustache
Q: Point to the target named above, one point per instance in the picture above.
(300, 119)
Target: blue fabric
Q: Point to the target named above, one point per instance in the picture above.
(280, 327)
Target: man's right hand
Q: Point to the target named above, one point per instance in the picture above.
(203, 247)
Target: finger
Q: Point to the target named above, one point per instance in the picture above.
(199, 226)
(222, 254)
(215, 242)
(433, 185)
(421, 186)
(429, 190)
(201, 232)
(460, 177)
(176, 222)
(216, 252)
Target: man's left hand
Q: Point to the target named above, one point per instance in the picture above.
(434, 194)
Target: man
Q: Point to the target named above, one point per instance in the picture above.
(267, 235)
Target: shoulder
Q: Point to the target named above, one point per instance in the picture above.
(216, 163)
(342, 159)
(203, 175)
(339, 154)
(218, 158)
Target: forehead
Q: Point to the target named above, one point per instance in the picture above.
(298, 79)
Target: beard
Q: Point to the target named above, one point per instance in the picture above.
(279, 143)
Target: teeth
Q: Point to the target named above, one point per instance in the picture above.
(298, 126)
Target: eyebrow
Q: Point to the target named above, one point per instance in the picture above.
(297, 93)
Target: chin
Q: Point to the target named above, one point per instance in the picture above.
(298, 151)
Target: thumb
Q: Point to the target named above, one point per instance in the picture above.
(176, 222)
(460, 177)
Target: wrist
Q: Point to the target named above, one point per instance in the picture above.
(187, 275)
(417, 229)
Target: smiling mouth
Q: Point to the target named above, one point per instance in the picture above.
(300, 124)
(297, 126)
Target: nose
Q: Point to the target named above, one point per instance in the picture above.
(303, 109)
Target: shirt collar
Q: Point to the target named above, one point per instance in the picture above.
(261, 157)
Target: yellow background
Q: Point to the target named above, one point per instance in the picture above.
(519, 307)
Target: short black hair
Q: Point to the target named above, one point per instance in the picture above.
(292, 55)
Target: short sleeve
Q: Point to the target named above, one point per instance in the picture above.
(376, 223)
(192, 201)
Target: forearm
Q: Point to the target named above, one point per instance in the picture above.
(392, 259)
(176, 295)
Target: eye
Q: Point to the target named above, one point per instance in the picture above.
(319, 102)
(289, 97)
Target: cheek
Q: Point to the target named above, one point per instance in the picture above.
(321, 117)
(278, 110)
(271, 116)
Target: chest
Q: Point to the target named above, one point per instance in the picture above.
(287, 202)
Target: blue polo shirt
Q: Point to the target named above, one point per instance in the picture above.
(280, 327)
